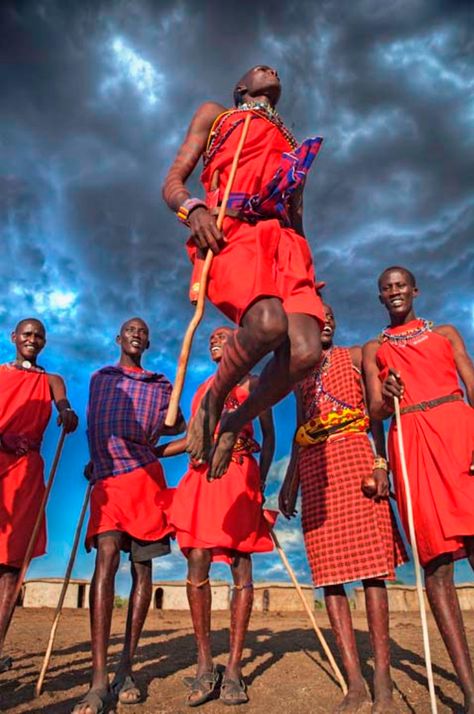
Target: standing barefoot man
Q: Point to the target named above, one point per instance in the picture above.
(262, 275)
(421, 365)
(223, 521)
(126, 412)
(348, 536)
(26, 391)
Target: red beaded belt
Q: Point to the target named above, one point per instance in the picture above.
(431, 403)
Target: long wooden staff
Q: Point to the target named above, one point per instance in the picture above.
(59, 606)
(37, 526)
(416, 560)
(309, 612)
(172, 413)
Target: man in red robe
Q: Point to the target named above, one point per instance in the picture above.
(222, 521)
(126, 412)
(422, 364)
(348, 536)
(262, 274)
(26, 392)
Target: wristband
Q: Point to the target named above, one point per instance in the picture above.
(380, 463)
(187, 208)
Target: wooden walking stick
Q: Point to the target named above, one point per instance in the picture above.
(172, 413)
(59, 606)
(309, 612)
(416, 560)
(34, 534)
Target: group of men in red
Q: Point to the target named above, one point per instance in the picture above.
(262, 278)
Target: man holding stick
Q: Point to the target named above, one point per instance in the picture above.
(126, 412)
(262, 275)
(222, 521)
(421, 365)
(26, 392)
(348, 535)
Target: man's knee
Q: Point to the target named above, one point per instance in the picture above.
(439, 572)
(305, 352)
(268, 323)
(108, 554)
(199, 559)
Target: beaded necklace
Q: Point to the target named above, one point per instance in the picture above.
(320, 393)
(411, 334)
(262, 110)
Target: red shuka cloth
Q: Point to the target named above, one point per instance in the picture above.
(130, 503)
(225, 515)
(438, 444)
(261, 260)
(347, 535)
(25, 400)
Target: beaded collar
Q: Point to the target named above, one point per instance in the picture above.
(25, 365)
(320, 392)
(261, 109)
(412, 333)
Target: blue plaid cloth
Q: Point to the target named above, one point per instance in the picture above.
(125, 417)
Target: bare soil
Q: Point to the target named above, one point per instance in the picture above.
(283, 663)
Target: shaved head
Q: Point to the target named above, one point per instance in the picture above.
(29, 320)
(134, 319)
(410, 278)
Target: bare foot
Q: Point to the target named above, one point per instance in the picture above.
(356, 701)
(222, 452)
(201, 428)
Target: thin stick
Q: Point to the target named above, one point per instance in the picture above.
(309, 612)
(416, 560)
(172, 413)
(34, 534)
(59, 606)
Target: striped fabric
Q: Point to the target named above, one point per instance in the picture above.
(272, 201)
(125, 416)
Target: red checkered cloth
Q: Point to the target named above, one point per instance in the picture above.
(347, 535)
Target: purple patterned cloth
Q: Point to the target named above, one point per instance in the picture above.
(272, 200)
(125, 417)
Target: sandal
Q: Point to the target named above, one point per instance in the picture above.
(95, 699)
(5, 664)
(205, 685)
(233, 692)
(125, 685)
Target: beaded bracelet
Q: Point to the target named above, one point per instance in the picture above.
(380, 463)
(188, 207)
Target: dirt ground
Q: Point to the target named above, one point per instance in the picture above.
(283, 664)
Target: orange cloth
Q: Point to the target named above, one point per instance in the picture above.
(225, 515)
(261, 260)
(25, 400)
(438, 444)
(129, 502)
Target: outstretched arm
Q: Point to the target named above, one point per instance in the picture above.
(203, 226)
(171, 448)
(290, 486)
(67, 417)
(177, 428)
(268, 444)
(464, 364)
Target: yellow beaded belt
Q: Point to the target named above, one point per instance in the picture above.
(319, 429)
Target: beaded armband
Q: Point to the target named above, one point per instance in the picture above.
(187, 208)
(380, 463)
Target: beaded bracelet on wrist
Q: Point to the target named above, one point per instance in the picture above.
(187, 208)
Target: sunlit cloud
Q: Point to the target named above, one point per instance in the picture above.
(131, 68)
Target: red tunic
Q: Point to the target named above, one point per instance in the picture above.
(347, 535)
(225, 515)
(129, 503)
(261, 260)
(25, 410)
(438, 444)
